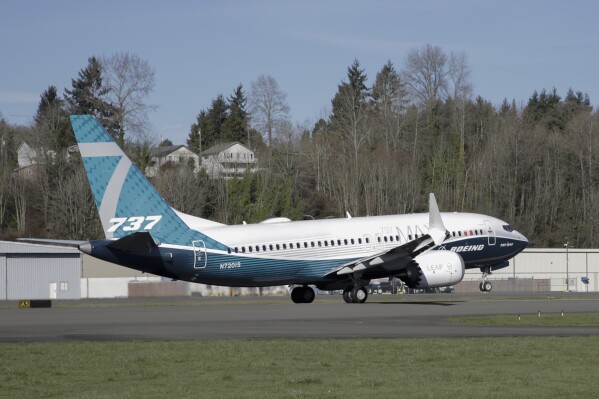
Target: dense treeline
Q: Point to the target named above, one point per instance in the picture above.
(385, 144)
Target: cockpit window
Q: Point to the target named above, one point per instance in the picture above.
(508, 228)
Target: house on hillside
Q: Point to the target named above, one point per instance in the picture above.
(171, 155)
(227, 160)
(29, 158)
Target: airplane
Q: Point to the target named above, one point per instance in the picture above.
(144, 233)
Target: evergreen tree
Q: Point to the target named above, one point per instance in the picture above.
(387, 89)
(51, 121)
(88, 97)
(235, 125)
(217, 115)
(353, 92)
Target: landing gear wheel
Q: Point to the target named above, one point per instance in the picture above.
(347, 295)
(487, 286)
(303, 294)
(359, 295)
(308, 295)
(481, 286)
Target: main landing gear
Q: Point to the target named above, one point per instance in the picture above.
(485, 285)
(302, 294)
(355, 295)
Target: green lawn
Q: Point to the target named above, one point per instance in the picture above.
(415, 368)
(546, 319)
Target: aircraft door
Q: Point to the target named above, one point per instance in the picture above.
(200, 256)
(490, 232)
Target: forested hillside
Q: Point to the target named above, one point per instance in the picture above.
(390, 138)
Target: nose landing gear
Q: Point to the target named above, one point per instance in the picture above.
(485, 285)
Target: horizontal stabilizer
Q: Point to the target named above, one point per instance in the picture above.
(137, 242)
(66, 243)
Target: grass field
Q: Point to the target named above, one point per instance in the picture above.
(545, 319)
(415, 368)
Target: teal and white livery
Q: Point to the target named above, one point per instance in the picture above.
(143, 232)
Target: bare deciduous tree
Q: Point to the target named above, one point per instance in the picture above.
(268, 106)
(130, 80)
(425, 74)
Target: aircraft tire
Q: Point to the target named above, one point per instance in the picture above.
(487, 286)
(359, 295)
(308, 295)
(347, 297)
(296, 295)
(481, 286)
(303, 294)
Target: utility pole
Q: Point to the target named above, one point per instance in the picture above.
(567, 244)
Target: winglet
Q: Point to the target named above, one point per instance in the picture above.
(436, 228)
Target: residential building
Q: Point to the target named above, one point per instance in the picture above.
(171, 155)
(227, 160)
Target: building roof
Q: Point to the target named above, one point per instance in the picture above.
(164, 151)
(218, 148)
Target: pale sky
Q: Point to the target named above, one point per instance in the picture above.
(202, 48)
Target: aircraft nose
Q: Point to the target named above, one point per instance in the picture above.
(522, 238)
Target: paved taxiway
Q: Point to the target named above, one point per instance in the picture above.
(263, 318)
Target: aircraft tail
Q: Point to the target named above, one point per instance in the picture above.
(125, 199)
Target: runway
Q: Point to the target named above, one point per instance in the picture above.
(266, 318)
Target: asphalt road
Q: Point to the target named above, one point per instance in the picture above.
(265, 318)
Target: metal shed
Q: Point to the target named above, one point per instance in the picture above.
(31, 271)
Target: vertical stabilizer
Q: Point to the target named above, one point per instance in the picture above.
(126, 201)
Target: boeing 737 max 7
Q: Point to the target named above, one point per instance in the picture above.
(144, 233)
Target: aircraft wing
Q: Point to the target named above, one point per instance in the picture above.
(388, 261)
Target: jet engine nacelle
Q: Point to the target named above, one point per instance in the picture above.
(434, 269)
